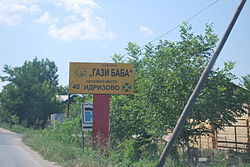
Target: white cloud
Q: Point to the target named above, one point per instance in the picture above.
(12, 12)
(72, 18)
(34, 8)
(46, 18)
(67, 33)
(146, 31)
(80, 23)
(78, 6)
(87, 29)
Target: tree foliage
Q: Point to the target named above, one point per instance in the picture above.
(246, 85)
(166, 74)
(31, 91)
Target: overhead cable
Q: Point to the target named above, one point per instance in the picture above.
(190, 18)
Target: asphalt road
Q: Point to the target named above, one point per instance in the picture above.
(13, 153)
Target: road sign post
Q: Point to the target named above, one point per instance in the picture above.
(100, 134)
(102, 80)
(87, 121)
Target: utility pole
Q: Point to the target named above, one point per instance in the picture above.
(198, 87)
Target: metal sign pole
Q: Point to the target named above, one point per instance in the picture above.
(198, 87)
(83, 143)
(67, 115)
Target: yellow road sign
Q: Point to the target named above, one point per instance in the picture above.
(101, 78)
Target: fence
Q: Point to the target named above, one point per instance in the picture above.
(235, 137)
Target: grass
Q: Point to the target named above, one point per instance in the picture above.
(72, 155)
(65, 154)
(15, 128)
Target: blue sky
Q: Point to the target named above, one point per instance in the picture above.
(92, 31)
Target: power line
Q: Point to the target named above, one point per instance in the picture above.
(190, 18)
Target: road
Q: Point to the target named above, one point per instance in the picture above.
(13, 153)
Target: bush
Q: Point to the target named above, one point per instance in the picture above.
(66, 132)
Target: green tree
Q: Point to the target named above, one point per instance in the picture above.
(246, 84)
(62, 90)
(31, 91)
(166, 74)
